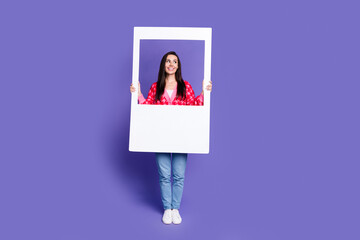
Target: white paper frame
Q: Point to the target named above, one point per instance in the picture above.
(170, 128)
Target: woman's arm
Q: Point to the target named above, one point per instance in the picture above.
(151, 96)
(190, 96)
(199, 100)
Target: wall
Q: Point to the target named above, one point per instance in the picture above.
(284, 156)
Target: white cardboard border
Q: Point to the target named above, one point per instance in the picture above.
(170, 128)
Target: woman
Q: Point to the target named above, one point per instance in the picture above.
(171, 89)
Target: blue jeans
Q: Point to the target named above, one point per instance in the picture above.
(171, 199)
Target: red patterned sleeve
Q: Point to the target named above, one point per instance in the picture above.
(151, 96)
(190, 97)
(199, 100)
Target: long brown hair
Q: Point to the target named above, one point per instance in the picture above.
(160, 86)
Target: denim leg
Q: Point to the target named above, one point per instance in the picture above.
(163, 161)
(178, 169)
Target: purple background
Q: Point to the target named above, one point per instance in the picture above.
(284, 144)
(190, 52)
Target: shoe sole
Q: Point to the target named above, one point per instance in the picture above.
(166, 223)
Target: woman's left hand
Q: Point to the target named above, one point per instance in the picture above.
(208, 87)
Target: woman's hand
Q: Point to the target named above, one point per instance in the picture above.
(133, 89)
(208, 87)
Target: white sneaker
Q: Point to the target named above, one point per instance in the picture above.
(167, 217)
(176, 218)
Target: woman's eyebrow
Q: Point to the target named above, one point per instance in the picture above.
(174, 60)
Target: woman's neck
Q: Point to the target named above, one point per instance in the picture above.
(170, 82)
(170, 79)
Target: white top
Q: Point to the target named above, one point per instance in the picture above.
(169, 92)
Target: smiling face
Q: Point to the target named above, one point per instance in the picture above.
(171, 64)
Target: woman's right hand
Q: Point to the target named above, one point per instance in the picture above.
(133, 89)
